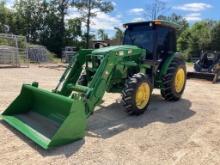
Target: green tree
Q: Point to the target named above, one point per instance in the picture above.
(50, 35)
(3, 15)
(102, 35)
(183, 40)
(62, 7)
(215, 37)
(195, 39)
(43, 22)
(178, 19)
(201, 35)
(53, 32)
(7, 18)
(73, 32)
(89, 9)
(29, 15)
(119, 34)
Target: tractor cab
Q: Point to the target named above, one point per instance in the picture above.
(157, 37)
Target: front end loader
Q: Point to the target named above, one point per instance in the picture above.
(146, 60)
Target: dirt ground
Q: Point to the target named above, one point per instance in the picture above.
(184, 132)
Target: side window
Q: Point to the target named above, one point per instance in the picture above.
(172, 40)
(163, 40)
(166, 41)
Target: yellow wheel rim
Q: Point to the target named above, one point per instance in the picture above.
(180, 80)
(142, 95)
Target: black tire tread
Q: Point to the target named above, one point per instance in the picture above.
(128, 93)
(167, 90)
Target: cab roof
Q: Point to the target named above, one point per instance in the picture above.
(157, 22)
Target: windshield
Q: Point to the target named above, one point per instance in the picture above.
(141, 36)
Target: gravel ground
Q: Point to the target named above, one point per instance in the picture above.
(184, 132)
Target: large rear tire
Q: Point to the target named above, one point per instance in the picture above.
(136, 94)
(174, 81)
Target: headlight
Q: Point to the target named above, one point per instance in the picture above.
(121, 53)
(130, 51)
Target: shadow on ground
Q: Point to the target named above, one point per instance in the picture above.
(111, 120)
(13, 67)
(56, 67)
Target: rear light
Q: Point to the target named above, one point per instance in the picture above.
(157, 22)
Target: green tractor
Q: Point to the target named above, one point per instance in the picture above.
(146, 60)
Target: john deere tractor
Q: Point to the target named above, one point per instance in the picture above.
(146, 60)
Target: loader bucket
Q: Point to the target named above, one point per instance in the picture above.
(201, 75)
(47, 118)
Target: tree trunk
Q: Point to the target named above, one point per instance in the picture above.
(62, 23)
(88, 25)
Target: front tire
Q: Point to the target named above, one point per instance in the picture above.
(136, 94)
(174, 81)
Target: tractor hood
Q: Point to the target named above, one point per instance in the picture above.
(116, 48)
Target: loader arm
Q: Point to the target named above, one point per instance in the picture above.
(92, 93)
(72, 73)
(101, 81)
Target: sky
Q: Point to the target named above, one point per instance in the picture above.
(133, 10)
